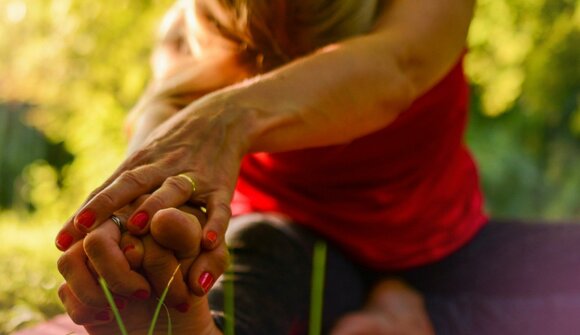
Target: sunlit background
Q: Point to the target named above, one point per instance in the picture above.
(70, 70)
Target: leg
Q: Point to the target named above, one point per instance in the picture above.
(272, 271)
(392, 308)
(513, 278)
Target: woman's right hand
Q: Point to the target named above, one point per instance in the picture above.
(175, 235)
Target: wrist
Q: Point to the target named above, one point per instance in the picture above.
(264, 114)
(242, 121)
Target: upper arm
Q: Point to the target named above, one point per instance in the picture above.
(426, 36)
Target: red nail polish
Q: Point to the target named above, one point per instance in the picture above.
(86, 218)
(63, 241)
(211, 236)
(205, 281)
(120, 303)
(141, 294)
(103, 315)
(128, 248)
(140, 220)
(183, 308)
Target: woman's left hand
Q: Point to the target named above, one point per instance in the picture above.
(194, 157)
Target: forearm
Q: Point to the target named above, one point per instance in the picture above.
(330, 97)
(166, 96)
(355, 87)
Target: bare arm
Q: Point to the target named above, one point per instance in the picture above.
(332, 96)
(178, 77)
(357, 86)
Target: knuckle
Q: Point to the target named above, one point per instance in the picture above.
(104, 199)
(156, 172)
(116, 286)
(176, 155)
(90, 298)
(136, 179)
(154, 262)
(141, 199)
(92, 244)
(224, 210)
(63, 265)
(172, 159)
(155, 202)
(179, 184)
(152, 174)
(94, 193)
(77, 316)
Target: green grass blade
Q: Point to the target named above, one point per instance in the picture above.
(317, 288)
(160, 303)
(229, 302)
(111, 301)
(169, 325)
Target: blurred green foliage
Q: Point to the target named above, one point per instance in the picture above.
(69, 72)
(524, 64)
(80, 65)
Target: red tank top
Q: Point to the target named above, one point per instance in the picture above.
(403, 196)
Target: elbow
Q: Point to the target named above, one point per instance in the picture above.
(397, 94)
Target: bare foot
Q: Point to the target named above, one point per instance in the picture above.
(393, 309)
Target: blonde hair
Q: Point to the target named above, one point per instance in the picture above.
(273, 32)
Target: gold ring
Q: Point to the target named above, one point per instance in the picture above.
(193, 185)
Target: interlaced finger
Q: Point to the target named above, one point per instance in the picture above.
(207, 268)
(178, 231)
(123, 190)
(72, 265)
(159, 265)
(175, 191)
(69, 234)
(102, 248)
(219, 214)
(81, 313)
(132, 247)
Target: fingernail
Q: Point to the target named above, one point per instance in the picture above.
(141, 294)
(120, 303)
(140, 220)
(211, 236)
(103, 315)
(183, 308)
(63, 241)
(86, 218)
(205, 281)
(128, 248)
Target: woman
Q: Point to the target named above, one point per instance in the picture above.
(340, 120)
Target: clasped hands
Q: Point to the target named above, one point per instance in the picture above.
(184, 131)
(152, 192)
(138, 268)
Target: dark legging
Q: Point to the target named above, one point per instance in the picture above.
(512, 278)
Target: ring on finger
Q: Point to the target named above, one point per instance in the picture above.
(117, 221)
(191, 181)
